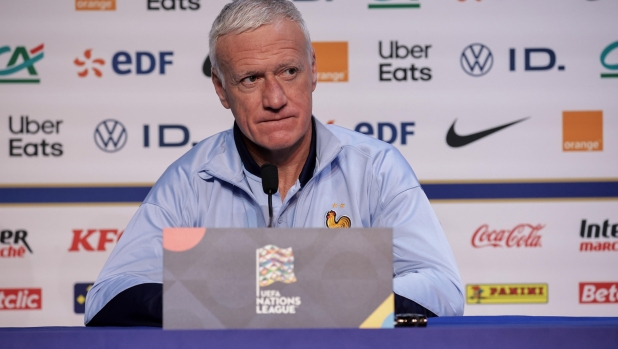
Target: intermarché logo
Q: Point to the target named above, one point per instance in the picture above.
(388, 4)
(110, 135)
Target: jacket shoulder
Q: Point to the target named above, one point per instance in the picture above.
(177, 180)
(386, 160)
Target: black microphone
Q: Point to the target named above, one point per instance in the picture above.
(270, 184)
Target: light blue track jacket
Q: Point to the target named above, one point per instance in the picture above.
(355, 175)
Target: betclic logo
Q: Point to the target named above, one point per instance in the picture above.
(21, 299)
(94, 239)
(598, 292)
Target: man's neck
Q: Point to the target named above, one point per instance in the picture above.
(289, 161)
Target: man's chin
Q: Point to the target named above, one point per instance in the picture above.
(275, 146)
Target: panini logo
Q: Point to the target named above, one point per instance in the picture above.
(506, 293)
(582, 130)
(95, 5)
(332, 61)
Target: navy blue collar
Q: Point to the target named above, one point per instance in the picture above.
(254, 169)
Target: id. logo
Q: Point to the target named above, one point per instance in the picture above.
(110, 135)
(476, 60)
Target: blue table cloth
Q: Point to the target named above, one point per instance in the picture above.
(448, 332)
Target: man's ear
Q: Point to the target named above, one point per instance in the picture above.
(314, 70)
(219, 88)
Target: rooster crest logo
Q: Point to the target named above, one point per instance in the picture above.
(342, 222)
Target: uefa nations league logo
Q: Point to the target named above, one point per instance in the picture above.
(476, 60)
(110, 135)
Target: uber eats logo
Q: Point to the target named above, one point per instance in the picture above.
(403, 62)
(31, 137)
(171, 5)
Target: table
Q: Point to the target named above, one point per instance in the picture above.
(476, 332)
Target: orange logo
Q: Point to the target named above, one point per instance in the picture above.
(89, 64)
(582, 130)
(95, 5)
(332, 61)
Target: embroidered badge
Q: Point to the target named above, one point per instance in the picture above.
(332, 222)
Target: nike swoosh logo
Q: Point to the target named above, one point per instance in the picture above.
(456, 141)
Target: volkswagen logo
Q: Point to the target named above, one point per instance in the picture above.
(476, 60)
(110, 135)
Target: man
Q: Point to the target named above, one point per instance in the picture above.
(264, 70)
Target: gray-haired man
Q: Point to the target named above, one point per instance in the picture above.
(264, 70)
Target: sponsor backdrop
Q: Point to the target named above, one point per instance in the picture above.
(506, 110)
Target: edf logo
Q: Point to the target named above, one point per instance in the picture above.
(386, 131)
(535, 59)
(142, 63)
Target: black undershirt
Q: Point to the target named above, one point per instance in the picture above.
(142, 305)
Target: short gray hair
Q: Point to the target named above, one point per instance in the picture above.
(240, 16)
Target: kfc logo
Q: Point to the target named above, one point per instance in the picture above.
(20, 299)
(598, 292)
(523, 235)
(93, 239)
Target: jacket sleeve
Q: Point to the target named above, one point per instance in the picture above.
(425, 270)
(137, 259)
(140, 305)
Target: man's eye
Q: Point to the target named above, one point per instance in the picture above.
(250, 79)
(291, 71)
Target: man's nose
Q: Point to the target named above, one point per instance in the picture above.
(273, 96)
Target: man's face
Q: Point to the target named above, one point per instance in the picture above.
(268, 83)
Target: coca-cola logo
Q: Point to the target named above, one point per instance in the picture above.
(523, 235)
